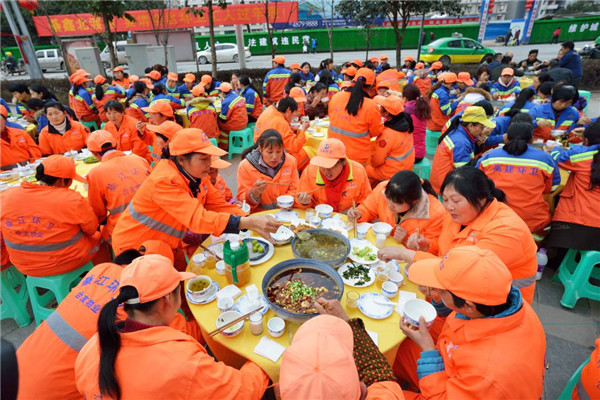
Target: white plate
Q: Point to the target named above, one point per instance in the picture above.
(317, 134)
(208, 297)
(361, 243)
(217, 248)
(242, 305)
(286, 215)
(367, 305)
(270, 251)
(352, 282)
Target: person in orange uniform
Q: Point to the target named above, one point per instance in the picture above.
(161, 135)
(443, 104)
(119, 78)
(354, 118)
(203, 118)
(405, 202)
(278, 117)
(83, 104)
(149, 357)
(298, 94)
(178, 196)
(588, 386)
(493, 344)
(103, 93)
(332, 178)
(61, 134)
(16, 145)
(124, 130)
(394, 147)
(266, 172)
(217, 180)
(275, 81)
(79, 72)
(139, 100)
(48, 228)
(389, 78)
(113, 183)
(421, 79)
(233, 115)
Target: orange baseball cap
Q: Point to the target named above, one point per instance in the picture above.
(357, 62)
(279, 59)
(465, 78)
(77, 73)
(392, 104)
(193, 140)
(60, 166)
(133, 78)
(119, 68)
(154, 75)
(350, 71)
(198, 91)
(401, 75)
(508, 71)
(448, 77)
(345, 84)
(148, 83)
(330, 151)
(383, 84)
(99, 138)
(160, 107)
(172, 76)
(99, 80)
(374, 59)
(217, 163)
(470, 272)
(383, 57)
(157, 247)
(367, 74)
(409, 58)
(80, 79)
(3, 111)
(297, 93)
(319, 365)
(295, 66)
(225, 87)
(153, 276)
(189, 78)
(419, 65)
(436, 65)
(206, 79)
(167, 128)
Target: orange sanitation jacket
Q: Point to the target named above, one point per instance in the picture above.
(20, 148)
(588, 386)
(247, 175)
(127, 137)
(357, 130)
(427, 214)
(205, 119)
(48, 230)
(233, 115)
(393, 152)
(161, 361)
(74, 138)
(164, 208)
(357, 186)
(112, 185)
(222, 187)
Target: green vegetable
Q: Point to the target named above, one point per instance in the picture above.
(360, 273)
(365, 252)
(90, 160)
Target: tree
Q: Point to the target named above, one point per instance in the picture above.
(199, 12)
(160, 23)
(580, 6)
(363, 12)
(43, 7)
(329, 26)
(108, 10)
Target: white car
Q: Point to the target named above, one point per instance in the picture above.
(50, 58)
(120, 53)
(225, 52)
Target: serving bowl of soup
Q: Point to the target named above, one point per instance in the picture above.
(323, 245)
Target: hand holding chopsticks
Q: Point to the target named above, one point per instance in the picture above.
(232, 323)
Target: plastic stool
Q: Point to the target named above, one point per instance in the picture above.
(214, 141)
(240, 141)
(423, 169)
(91, 125)
(102, 125)
(575, 277)
(587, 95)
(14, 297)
(58, 287)
(431, 141)
(252, 125)
(568, 390)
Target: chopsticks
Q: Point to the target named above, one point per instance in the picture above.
(354, 222)
(210, 251)
(315, 190)
(235, 321)
(418, 236)
(277, 183)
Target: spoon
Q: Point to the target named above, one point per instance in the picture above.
(383, 303)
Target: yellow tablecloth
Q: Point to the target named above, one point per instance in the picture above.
(551, 197)
(313, 142)
(235, 351)
(183, 114)
(525, 82)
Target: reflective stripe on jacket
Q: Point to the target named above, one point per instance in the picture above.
(455, 150)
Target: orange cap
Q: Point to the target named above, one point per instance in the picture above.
(99, 138)
(330, 151)
(319, 364)
(419, 65)
(225, 87)
(160, 107)
(157, 247)
(189, 78)
(357, 62)
(206, 79)
(409, 58)
(383, 57)
(436, 65)
(167, 128)
(77, 73)
(367, 74)
(60, 166)
(198, 91)
(99, 80)
(3, 111)
(193, 140)
(448, 77)
(465, 78)
(172, 76)
(80, 79)
(154, 75)
(383, 84)
(374, 59)
(350, 71)
(508, 71)
(401, 75)
(295, 66)
(297, 93)
(133, 78)
(345, 84)
(148, 83)
(470, 272)
(279, 59)
(119, 68)
(153, 276)
(392, 104)
(217, 163)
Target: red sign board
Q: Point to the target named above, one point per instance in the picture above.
(439, 21)
(237, 14)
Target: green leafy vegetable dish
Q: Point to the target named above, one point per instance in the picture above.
(90, 160)
(358, 273)
(366, 253)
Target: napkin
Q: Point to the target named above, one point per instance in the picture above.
(374, 337)
(403, 297)
(229, 291)
(269, 348)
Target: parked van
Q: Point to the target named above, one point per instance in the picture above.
(50, 59)
(120, 53)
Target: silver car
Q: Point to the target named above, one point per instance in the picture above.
(50, 59)
(225, 52)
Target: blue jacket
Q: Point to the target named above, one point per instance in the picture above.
(250, 96)
(526, 107)
(168, 97)
(463, 149)
(183, 90)
(572, 61)
(5, 104)
(83, 94)
(566, 121)
(278, 73)
(446, 104)
(173, 92)
(504, 91)
(230, 100)
(139, 103)
(497, 135)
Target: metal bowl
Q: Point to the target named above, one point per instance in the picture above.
(306, 265)
(333, 262)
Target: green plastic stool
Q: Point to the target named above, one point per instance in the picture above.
(252, 125)
(431, 141)
(568, 390)
(423, 169)
(575, 277)
(102, 125)
(240, 141)
(214, 141)
(14, 297)
(587, 95)
(58, 287)
(91, 125)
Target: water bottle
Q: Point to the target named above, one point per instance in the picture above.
(542, 260)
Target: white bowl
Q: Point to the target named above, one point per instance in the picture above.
(396, 278)
(276, 326)
(324, 210)
(558, 133)
(6, 175)
(224, 304)
(417, 308)
(245, 208)
(389, 289)
(227, 317)
(285, 201)
(283, 235)
(197, 295)
(220, 267)
(382, 228)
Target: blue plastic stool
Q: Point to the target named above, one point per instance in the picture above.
(14, 297)
(431, 141)
(587, 95)
(58, 287)
(575, 276)
(240, 141)
(91, 125)
(423, 169)
(568, 390)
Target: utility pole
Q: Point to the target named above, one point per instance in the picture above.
(27, 46)
(239, 38)
(420, 36)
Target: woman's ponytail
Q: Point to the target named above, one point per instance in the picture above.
(426, 185)
(357, 97)
(519, 135)
(99, 91)
(495, 193)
